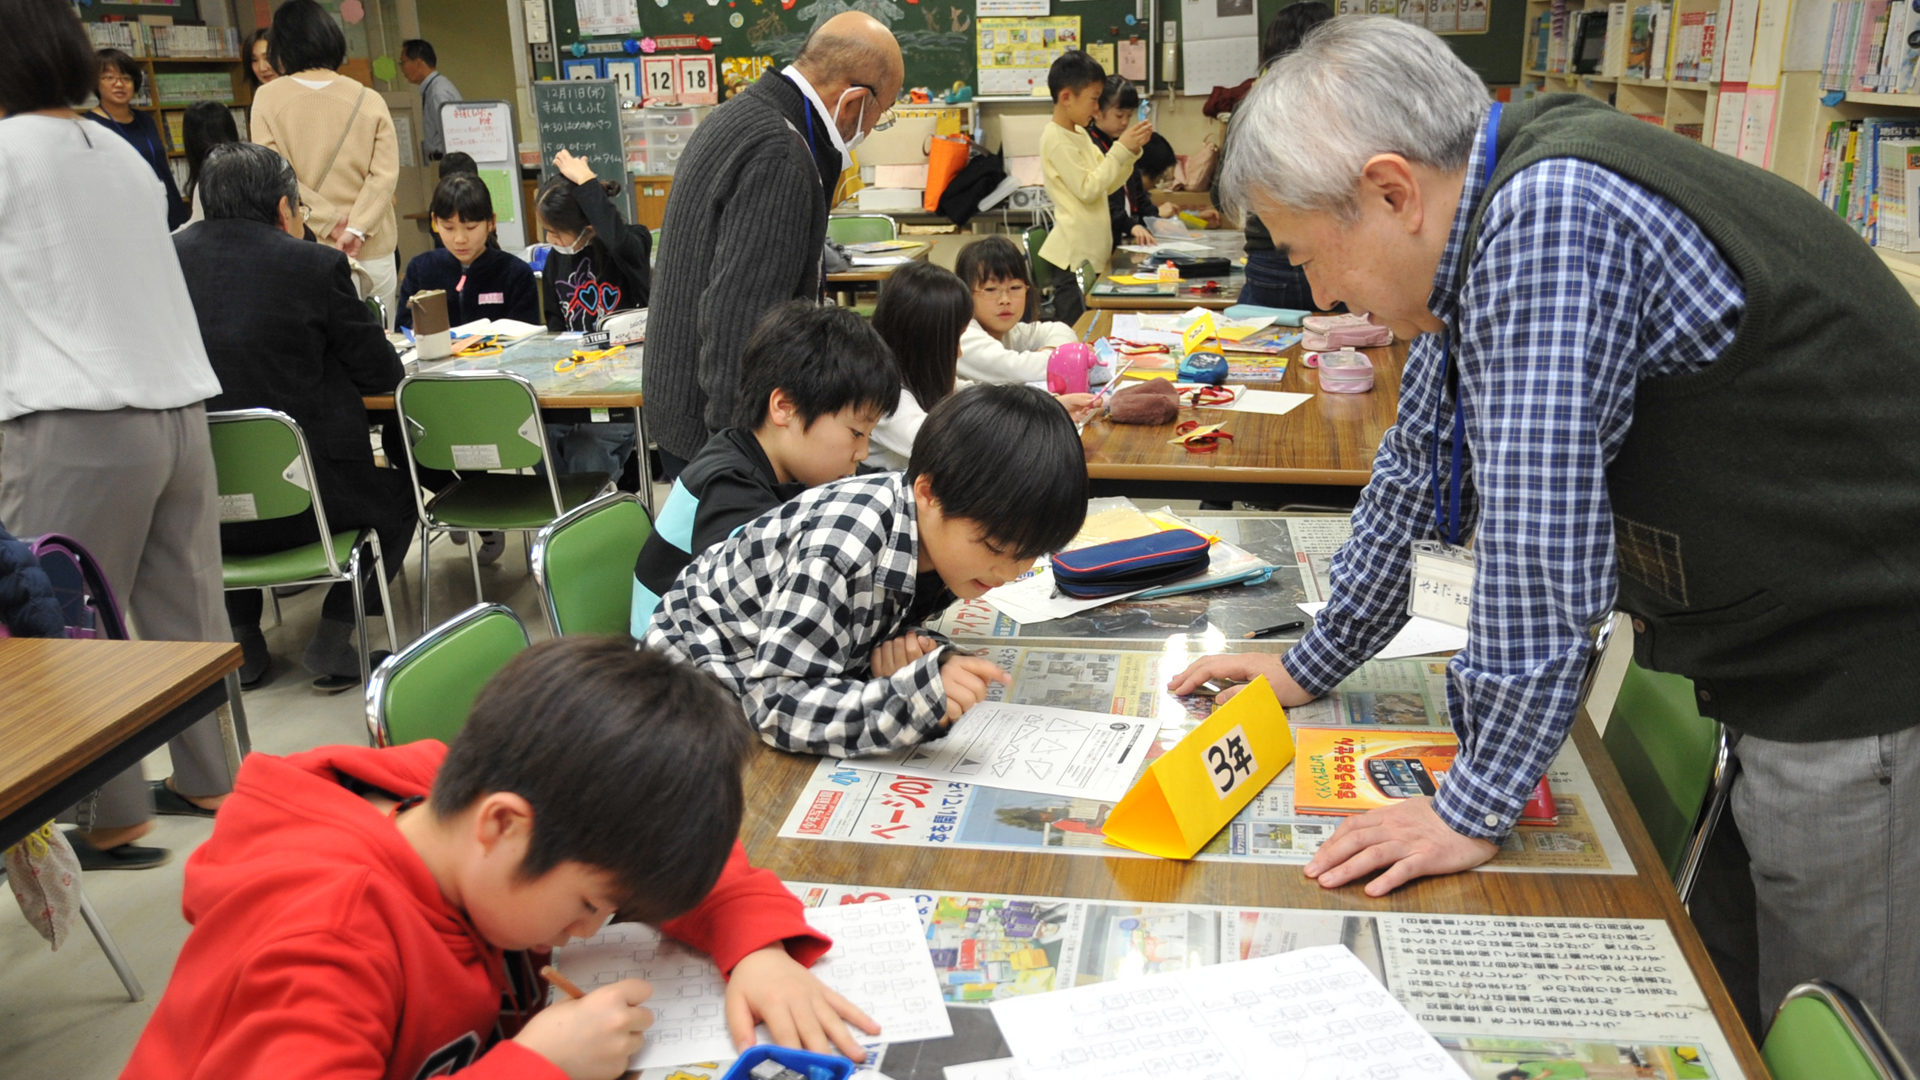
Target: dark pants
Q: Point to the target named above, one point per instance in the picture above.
(1068, 303)
(670, 466)
(1273, 281)
(394, 522)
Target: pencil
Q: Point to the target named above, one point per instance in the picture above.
(552, 975)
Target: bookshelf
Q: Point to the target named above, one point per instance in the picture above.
(239, 97)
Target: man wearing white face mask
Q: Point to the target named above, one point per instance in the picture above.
(747, 219)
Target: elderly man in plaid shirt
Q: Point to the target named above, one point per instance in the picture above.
(1648, 376)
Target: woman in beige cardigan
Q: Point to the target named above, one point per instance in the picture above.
(339, 137)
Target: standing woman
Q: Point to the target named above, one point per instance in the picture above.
(207, 125)
(105, 434)
(119, 83)
(259, 68)
(1272, 279)
(339, 137)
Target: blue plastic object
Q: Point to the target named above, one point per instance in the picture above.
(1204, 367)
(1283, 316)
(811, 1066)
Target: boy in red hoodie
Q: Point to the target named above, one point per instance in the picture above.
(351, 908)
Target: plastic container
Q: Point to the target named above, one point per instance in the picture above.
(1345, 372)
(811, 1066)
(669, 118)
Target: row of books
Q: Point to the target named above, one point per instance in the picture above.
(1635, 40)
(1870, 176)
(142, 39)
(188, 87)
(1871, 47)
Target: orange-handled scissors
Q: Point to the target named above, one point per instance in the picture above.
(583, 357)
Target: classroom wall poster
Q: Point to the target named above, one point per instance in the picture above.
(598, 18)
(1014, 54)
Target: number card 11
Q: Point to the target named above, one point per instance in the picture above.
(1194, 789)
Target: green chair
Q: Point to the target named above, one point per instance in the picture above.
(1675, 763)
(583, 563)
(861, 228)
(1821, 1032)
(1034, 239)
(653, 250)
(264, 473)
(474, 422)
(426, 690)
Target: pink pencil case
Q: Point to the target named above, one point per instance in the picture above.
(1345, 372)
(1349, 331)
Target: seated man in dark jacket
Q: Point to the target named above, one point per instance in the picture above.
(285, 330)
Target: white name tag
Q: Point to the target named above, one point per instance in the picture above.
(1442, 587)
(476, 455)
(1230, 762)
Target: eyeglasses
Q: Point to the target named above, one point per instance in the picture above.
(1005, 288)
(306, 212)
(116, 77)
(887, 118)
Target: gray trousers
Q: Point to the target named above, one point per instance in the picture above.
(1833, 829)
(136, 488)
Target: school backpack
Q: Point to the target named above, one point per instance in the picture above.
(88, 607)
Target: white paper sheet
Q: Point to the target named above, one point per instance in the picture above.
(1033, 599)
(1420, 637)
(511, 329)
(1270, 402)
(880, 260)
(1034, 748)
(1315, 1012)
(997, 1069)
(879, 961)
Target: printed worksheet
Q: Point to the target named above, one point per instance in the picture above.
(1315, 1012)
(879, 961)
(1032, 748)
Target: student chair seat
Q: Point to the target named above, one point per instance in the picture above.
(426, 690)
(264, 473)
(1675, 763)
(861, 228)
(1822, 1032)
(583, 564)
(474, 423)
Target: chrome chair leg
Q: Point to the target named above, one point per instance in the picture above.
(119, 962)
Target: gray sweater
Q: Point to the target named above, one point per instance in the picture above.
(743, 233)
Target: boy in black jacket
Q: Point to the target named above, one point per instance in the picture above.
(814, 381)
(480, 280)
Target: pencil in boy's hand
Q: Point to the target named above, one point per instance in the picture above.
(552, 975)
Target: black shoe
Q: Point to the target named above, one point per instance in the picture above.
(123, 857)
(168, 801)
(255, 662)
(333, 684)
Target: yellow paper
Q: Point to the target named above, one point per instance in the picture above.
(1203, 328)
(1133, 279)
(1194, 789)
(1235, 333)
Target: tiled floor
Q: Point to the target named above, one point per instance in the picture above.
(64, 1016)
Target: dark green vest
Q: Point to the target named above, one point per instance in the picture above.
(1767, 508)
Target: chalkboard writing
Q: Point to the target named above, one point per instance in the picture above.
(582, 116)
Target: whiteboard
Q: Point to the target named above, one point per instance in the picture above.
(485, 130)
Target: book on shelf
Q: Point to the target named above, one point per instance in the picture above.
(1693, 46)
(173, 128)
(1657, 56)
(1640, 43)
(1893, 228)
(1619, 31)
(139, 39)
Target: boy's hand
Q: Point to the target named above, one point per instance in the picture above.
(771, 987)
(1142, 235)
(966, 679)
(1167, 209)
(891, 656)
(592, 1038)
(1078, 406)
(1134, 139)
(1241, 667)
(573, 168)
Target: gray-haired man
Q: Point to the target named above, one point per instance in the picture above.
(1651, 377)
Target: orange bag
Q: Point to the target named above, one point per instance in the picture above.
(946, 156)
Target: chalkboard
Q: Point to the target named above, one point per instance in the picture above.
(582, 116)
(1494, 55)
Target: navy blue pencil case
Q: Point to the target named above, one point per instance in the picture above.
(1122, 566)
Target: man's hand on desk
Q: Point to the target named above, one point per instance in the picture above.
(1408, 839)
(1240, 667)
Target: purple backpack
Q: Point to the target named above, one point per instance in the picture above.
(80, 587)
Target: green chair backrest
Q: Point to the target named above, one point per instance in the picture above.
(471, 422)
(1664, 750)
(1808, 1041)
(584, 564)
(260, 466)
(654, 250)
(860, 228)
(427, 690)
(1042, 271)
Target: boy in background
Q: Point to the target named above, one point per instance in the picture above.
(814, 383)
(1080, 177)
(811, 613)
(351, 909)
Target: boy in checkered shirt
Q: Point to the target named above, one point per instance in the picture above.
(812, 612)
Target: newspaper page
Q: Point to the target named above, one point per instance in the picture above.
(842, 801)
(1604, 998)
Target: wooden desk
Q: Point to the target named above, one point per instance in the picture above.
(870, 274)
(1188, 294)
(1330, 440)
(775, 779)
(74, 714)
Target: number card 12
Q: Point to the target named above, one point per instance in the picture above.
(1194, 789)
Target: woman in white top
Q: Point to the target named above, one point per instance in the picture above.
(100, 403)
(922, 313)
(339, 137)
(1003, 344)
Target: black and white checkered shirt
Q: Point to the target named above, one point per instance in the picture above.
(788, 610)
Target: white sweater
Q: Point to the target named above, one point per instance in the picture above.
(892, 442)
(1022, 358)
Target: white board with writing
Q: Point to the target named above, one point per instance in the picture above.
(482, 129)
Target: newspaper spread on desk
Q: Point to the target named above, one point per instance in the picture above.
(843, 801)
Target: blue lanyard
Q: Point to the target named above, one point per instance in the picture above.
(1447, 512)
